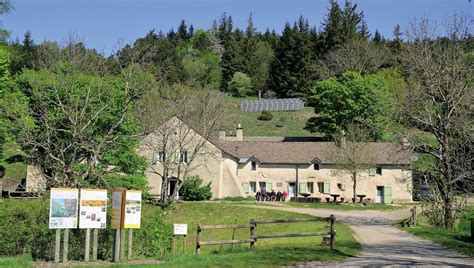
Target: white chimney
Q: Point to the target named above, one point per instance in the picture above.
(239, 134)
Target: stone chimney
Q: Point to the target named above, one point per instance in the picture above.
(239, 134)
(222, 135)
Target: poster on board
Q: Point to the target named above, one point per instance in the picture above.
(133, 207)
(93, 209)
(63, 208)
(117, 209)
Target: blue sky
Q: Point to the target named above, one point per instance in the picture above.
(102, 23)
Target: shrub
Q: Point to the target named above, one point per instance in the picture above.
(240, 85)
(193, 191)
(24, 230)
(265, 116)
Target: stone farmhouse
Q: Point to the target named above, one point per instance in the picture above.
(240, 166)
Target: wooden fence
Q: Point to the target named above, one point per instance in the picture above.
(253, 237)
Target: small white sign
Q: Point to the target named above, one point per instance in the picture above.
(180, 229)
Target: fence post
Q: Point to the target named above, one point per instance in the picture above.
(331, 230)
(198, 239)
(414, 216)
(252, 234)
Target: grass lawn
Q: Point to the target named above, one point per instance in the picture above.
(293, 122)
(268, 252)
(457, 238)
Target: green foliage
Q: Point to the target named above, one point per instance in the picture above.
(136, 181)
(193, 190)
(24, 230)
(240, 85)
(292, 69)
(265, 116)
(349, 98)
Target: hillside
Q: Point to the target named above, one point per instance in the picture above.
(293, 122)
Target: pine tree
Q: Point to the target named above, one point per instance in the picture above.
(291, 70)
(29, 53)
(332, 27)
(377, 37)
(182, 33)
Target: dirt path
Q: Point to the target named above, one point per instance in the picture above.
(382, 243)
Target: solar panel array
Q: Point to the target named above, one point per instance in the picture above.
(272, 105)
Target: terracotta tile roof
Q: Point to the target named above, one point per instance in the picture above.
(305, 152)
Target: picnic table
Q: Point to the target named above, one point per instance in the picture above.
(361, 196)
(335, 197)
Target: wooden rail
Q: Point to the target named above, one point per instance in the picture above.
(253, 237)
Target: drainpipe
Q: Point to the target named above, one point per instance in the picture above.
(297, 186)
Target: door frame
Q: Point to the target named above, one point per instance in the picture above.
(382, 196)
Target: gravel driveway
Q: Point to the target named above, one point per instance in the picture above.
(384, 244)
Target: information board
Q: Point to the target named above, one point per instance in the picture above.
(93, 209)
(180, 229)
(132, 210)
(63, 208)
(117, 209)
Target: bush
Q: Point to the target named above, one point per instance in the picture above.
(24, 230)
(240, 85)
(265, 116)
(193, 191)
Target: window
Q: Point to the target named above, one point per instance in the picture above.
(310, 187)
(254, 165)
(159, 157)
(279, 184)
(378, 171)
(183, 157)
(253, 186)
(342, 187)
(320, 187)
(262, 185)
(316, 166)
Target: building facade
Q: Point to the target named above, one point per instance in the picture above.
(241, 166)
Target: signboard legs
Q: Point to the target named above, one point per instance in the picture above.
(57, 246)
(130, 239)
(116, 251)
(122, 244)
(88, 245)
(65, 245)
(95, 241)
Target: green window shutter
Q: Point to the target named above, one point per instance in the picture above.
(343, 187)
(387, 195)
(303, 188)
(190, 156)
(268, 187)
(327, 187)
(372, 171)
(246, 187)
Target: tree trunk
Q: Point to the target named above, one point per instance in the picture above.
(354, 186)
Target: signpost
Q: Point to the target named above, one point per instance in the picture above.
(180, 230)
(63, 215)
(93, 215)
(126, 214)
